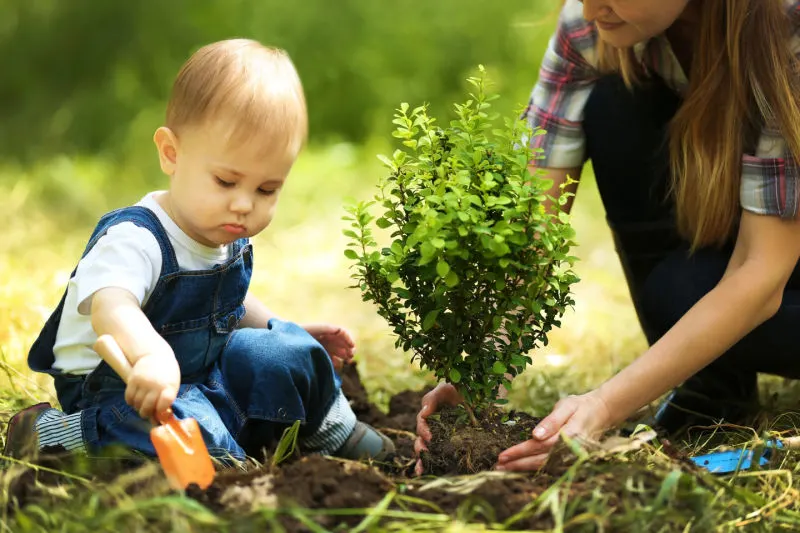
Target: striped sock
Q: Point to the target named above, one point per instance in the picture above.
(336, 427)
(56, 428)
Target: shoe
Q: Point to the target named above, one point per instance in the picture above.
(366, 442)
(706, 399)
(22, 440)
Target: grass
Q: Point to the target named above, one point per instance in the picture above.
(48, 211)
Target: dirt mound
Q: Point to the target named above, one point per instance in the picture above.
(457, 447)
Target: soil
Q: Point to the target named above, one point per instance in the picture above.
(491, 500)
(315, 482)
(458, 447)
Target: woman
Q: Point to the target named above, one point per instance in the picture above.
(689, 112)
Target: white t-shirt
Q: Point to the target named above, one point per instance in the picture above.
(127, 257)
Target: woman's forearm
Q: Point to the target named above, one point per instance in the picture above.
(559, 177)
(736, 306)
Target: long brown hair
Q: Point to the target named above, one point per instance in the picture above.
(743, 76)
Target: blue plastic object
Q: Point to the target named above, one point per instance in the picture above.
(735, 460)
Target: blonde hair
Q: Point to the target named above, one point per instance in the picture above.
(253, 88)
(743, 77)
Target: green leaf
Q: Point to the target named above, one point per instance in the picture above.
(430, 319)
(383, 223)
(438, 242)
(499, 368)
(350, 254)
(451, 280)
(428, 252)
(386, 161)
(442, 268)
(455, 375)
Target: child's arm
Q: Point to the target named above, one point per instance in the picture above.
(155, 378)
(256, 313)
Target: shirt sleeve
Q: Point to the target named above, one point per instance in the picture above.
(566, 79)
(127, 257)
(770, 180)
(770, 176)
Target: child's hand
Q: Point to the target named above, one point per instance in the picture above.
(153, 384)
(336, 340)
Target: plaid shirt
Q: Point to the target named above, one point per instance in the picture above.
(770, 181)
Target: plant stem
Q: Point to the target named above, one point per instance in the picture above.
(471, 413)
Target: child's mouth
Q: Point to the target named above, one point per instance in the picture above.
(234, 228)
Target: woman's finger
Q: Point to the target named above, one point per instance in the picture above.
(524, 464)
(526, 449)
(553, 422)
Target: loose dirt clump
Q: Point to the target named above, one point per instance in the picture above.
(319, 483)
(316, 482)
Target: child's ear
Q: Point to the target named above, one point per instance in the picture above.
(167, 145)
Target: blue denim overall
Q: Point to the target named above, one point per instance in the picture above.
(243, 386)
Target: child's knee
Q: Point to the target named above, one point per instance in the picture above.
(283, 348)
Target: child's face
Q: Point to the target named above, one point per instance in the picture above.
(623, 23)
(220, 193)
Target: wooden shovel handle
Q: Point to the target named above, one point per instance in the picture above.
(791, 443)
(112, 354)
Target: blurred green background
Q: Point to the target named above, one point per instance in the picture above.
(86, 77)
(85, 83)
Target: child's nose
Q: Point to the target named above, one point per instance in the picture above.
(242, 203)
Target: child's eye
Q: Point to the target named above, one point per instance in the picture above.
(267, 192)
(222, 183)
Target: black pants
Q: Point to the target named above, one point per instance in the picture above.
(626, 141)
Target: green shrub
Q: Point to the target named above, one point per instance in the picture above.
(477, 271)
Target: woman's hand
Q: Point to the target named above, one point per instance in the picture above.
(336, 340)
(443, 394)
(586, 415)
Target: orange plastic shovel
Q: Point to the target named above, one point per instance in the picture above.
(178, 443)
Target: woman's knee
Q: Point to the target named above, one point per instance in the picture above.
(677, 283)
